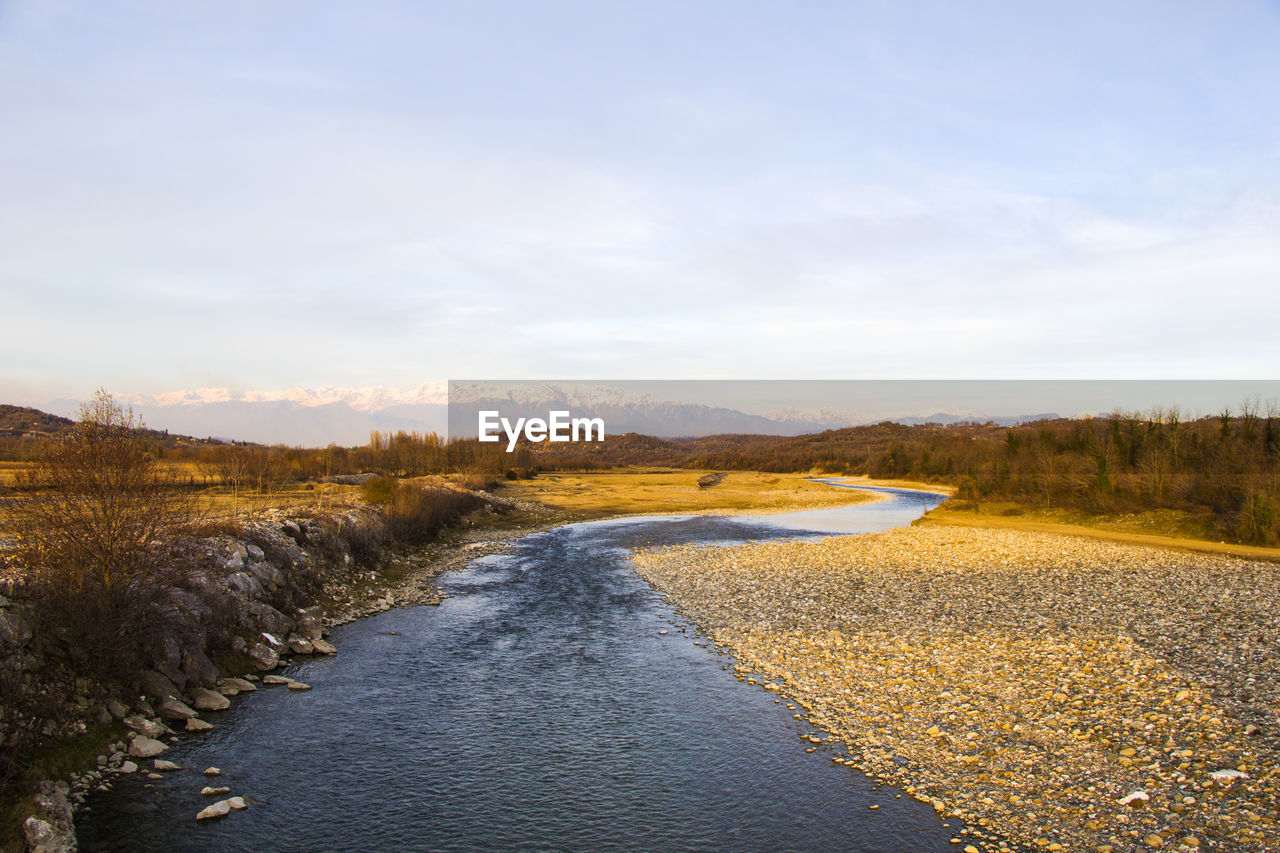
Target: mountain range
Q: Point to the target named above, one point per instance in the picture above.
(323, 415)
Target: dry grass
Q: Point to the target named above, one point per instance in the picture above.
(664, 491)
(1159, 528)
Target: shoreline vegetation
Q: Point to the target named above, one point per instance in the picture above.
(1056, 677)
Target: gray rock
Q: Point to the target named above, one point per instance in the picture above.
(323, 647)
(162, 765)
(208, 791)
(117, 709)
(51, 829)
(244, 586)
(237, 803)
(158, 685)
(208, 700)
(174, 709)
(270, 620)
(263, 657)
(148, 728)
(239, 685)
(145, 747)
(310, 623)
(199, 669)
(255, 552)
(195, 724)
(128, 767)
(299, 646)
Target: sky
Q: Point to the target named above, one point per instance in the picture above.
(267, 195)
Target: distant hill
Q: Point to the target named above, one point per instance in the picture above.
(23, 427)
(19, 421)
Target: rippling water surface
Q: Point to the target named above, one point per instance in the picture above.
(537, 708)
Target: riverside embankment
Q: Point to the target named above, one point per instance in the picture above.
(245, 605)
(1068, 693)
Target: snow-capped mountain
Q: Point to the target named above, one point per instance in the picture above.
(372, 399)
(311, 417)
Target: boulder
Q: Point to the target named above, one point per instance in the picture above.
(243, 586)
(263, 657)
(269, 620)
(145, 747)
(232, 686)
(148, 728)
(170, 661)
(208, 791)
(299, 646)
(310, 623)
(199, 669)
(158, 685)
(51, 829)
(208, 700)
(175, 709)
(164, 766)
(117, 709)
(195, 724)
(237, 803)
(323, 647)
(219, 809)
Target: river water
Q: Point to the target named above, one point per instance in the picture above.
(539, 707)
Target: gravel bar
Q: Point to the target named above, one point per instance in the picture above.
(1054, 692)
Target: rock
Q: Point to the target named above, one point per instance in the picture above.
(231, 686)
(163, 766)
(275, 680)
(41, 837)
(310, 623)
(212, 771)
(299, 646)
(1227, 775)
(298, 685)
(270, 620)
(195, 724)
(199, 669)
(128, 767)
(143, 726)
(218, 809)
(208, 700)
(117, 709)
(208, 791)
(174, 709)
(158, 685)
(1135, 799)
(145, 747)
(51, 829)
(263, 657)
(237, 803)
(323, 647)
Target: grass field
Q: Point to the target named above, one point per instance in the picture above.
(1163, 528)
(665, 491)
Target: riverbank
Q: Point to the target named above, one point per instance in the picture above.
(1056, 690)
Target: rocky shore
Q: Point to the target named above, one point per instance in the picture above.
(1053, 692)
(256, 601)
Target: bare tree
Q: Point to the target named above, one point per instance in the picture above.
(96, 510)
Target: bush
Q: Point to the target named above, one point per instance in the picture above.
(98, 524)
(381, 491)
(418, 513)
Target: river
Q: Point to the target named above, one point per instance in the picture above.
(540, 706)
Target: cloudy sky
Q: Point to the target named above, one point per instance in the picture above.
(263, 195)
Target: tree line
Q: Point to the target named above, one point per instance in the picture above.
(1223, 469)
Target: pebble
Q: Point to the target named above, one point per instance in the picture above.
(1036, 681)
